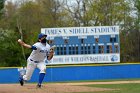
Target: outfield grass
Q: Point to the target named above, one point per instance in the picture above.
(120, 88)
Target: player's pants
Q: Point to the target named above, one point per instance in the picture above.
(31, 65)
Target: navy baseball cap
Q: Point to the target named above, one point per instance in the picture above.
(41, 35)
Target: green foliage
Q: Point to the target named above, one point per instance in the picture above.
(109, 12)
(137, 5)
(130, 40)
(2, 4)
(1, 7)
(10, 52)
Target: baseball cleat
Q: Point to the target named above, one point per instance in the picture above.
(21, 81)
(38, 86)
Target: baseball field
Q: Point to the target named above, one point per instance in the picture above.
(119, 86)
(123, 78)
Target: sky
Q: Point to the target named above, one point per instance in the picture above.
(31, 0)
(11, 0)
(70, 2)
(16, 0)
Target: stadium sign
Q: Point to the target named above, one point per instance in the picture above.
(74, 45)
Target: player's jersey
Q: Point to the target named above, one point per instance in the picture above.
(40, 53)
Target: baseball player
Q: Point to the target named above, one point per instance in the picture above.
(40, 51)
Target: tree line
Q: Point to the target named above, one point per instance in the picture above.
(24, 19)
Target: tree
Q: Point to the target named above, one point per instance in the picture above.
(1, 7)
(52, 12)
(76, 12)
(35, 15)
(137, 6)
(9, 48)
(10, 52)
(130, 36)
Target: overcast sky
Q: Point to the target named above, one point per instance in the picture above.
(10, 0)
(31, 0)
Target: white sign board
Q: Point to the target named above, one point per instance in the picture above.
(108, 38)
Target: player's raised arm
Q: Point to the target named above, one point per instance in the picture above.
(51, 54)
(24, 44)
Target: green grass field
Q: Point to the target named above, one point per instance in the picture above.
(120, 88)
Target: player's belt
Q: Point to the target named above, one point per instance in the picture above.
(34, 61)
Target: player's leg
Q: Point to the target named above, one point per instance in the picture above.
(29, 71)
(22, 72)
(42, 67)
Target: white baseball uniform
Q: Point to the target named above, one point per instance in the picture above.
(37, 59)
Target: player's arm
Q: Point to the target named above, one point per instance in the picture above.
(26, 45)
